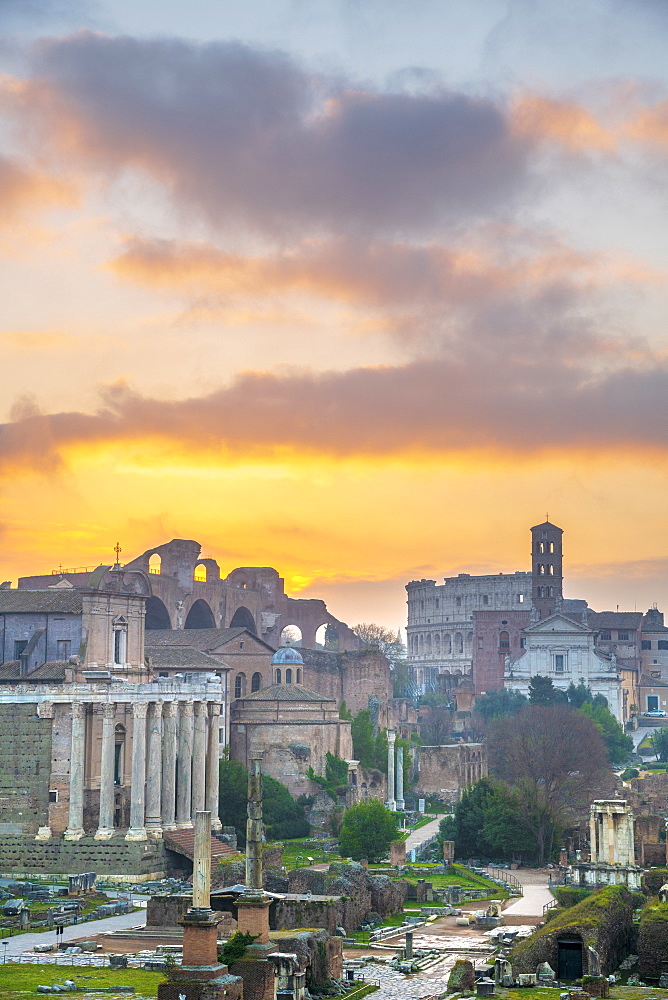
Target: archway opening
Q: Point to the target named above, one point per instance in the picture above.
(157, 615)
(154, 564)
(199, 576)
(569, 958)
(242, 618)
(291, 635)
(200, 616)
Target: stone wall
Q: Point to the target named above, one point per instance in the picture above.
(363, 893)
(289, 914)
(25, 763)
(446, 770)
(653, 940)
(116, 859)
(603, 921)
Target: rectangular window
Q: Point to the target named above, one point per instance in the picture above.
(120, 646)
(481, 642)
(559, 663)
(53, 795)
(523, 643)
(623, 636)
(646, 644)
(63, 647)
(606, 636)
(520, 598)
(662, 644)
(19, 646)
(485, 599)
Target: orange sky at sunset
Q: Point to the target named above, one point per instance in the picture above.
(360, 294)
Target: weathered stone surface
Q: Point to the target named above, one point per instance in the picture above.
(462, 976)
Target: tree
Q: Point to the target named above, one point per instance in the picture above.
(488, 821)
(617, 743)
(336, 775)
(555, 760)
(495, 703)
(283, 817)
(363, 738)
(543, 692)
(577, 696)
(367, 831)
(659, 741)
(387, 641)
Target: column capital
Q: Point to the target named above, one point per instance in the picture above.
(108, 709)
(214, 708)
(139, 709)
(156, 707)
(170, 708)
(200, 707)
(187, 707)
(78, 709)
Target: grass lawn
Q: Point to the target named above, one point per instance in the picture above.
(294, 849)
(616, 992)
(17, 980)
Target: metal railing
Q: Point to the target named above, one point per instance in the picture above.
(550, 906)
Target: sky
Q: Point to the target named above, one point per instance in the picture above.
(358, 290)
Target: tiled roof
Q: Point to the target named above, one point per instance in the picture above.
(206, 639)
(181, 656)
(11, 671)
(653, 682)
(40, 601)
(286, 692)
(615, 619)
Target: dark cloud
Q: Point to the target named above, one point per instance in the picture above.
(246, 134)
(424, 407)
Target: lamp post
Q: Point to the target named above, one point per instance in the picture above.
(4, 952)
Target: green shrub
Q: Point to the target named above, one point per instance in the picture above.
(653, 939)
(653, 879)
(570, 896)
(235, 948)
(630, 772)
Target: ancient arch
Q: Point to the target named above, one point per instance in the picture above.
(200, 616)
(155, 564)
(157, 615)
(199, 573)
(242, 618)
(291, 635)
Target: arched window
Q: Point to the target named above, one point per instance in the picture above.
(120, 627)
(551, 546)
(539, 591)
(256, 682)
(504, 640)
(291, 635)
(199, 576)
(278, 675)
(428, 645)
(154, 564)
(459, 642)
(299, 675)
(437, 645)
(239, 685)
(288, 675)
(447, 644)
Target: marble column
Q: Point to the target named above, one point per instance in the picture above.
(213, 766)
(75, 830)
(137, 829)
(199, 758)
(390, 802)
(154, 771)
(105, 828)
(169, 766)
(400, 779)
(184, 755)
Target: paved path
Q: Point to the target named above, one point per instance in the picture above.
(26, 942)
(425, 832)
(536, 894)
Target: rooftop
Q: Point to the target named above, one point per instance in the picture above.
(286, 692)
(41, 601)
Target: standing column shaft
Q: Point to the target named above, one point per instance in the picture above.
(213, 766)
(105, 828)
(202, 862)
(137, 830)
(75, 828)
(390, 803)
(169, 767)
(199, 758)
(184, 755)
(254, 826)
(154, 771)
(400, 779)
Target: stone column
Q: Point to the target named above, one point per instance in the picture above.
(105, 828)
(213, 766)
(169, 767)
(254, 826)
(390, 802)
(75, 830)
(593, 856)
(202, 861)
(184, 756)
(137, 830)
(154, 772)
(400, 779)
(199, 758)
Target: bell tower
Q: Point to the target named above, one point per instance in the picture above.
(546, 568)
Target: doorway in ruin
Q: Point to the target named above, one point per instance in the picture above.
(569, 958)
(200, 616)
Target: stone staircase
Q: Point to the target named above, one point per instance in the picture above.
(183, 842)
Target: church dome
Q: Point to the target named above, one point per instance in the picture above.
(286, 655)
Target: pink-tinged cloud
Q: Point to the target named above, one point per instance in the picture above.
(245, 134)
(435, 407)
